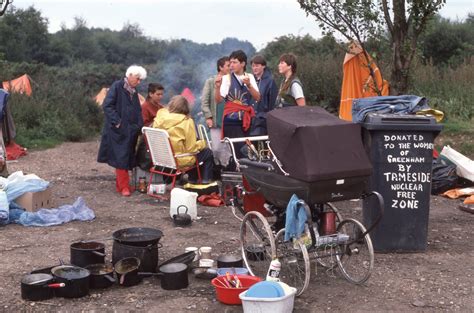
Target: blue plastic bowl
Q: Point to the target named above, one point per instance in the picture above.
(238, 271)
(265, 289)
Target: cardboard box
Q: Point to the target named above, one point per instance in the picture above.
(33, 201)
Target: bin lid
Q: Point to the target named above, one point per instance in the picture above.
(378, 121)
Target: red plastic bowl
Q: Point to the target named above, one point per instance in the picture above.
(231, 295)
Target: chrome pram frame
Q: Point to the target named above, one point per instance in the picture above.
(262, 242)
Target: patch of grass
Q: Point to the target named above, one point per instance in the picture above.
(37, 143)
(458, 127)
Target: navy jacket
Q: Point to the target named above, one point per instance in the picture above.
(268, 93)
(117, 146)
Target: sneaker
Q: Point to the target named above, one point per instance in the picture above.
(126, 192)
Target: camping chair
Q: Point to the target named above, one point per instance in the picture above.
(162, 155)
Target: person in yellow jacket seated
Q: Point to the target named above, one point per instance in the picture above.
(176, 120)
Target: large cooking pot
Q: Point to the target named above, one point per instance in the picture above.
(174, 276)
(76, 280)
(86, 253)
(148, 255)
(137, 236)
(38, 287)
(102, 275)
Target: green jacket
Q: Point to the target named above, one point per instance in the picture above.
(208, 102)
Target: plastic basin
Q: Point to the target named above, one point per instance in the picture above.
(282, 304)
(231, 295)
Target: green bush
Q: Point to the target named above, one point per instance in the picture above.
(61, 107)
(448, 89)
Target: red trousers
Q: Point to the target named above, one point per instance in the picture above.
(121, 179)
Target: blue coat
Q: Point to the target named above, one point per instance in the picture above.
(117, 146)
(268, 93)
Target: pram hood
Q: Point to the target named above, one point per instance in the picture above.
(314, 145)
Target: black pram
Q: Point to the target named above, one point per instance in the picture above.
(322, 158)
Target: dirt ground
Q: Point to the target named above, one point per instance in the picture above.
(440, 279)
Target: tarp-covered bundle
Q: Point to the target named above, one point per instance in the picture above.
(314, 145)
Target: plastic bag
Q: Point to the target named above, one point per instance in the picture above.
(65, 213)
(4, 208)
(464, 165)
(444, 177)
(17, 184)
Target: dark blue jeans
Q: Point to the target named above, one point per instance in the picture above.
(207, 167)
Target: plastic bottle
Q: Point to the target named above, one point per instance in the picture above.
(273, 273)
(142, 185)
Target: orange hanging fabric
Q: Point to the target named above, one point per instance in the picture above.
(357, 82)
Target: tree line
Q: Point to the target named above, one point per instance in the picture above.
(72, 64)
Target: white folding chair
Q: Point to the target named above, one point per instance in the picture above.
(163, 157)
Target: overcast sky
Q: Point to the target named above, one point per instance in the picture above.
(203, 21)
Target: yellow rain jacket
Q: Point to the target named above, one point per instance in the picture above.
(182, 134)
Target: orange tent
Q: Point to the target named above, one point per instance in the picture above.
(21, 85)
(100, 96)
(188, 94)
(357, 82)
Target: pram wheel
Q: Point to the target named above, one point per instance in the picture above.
(357, 258)
(324, 255)
(257, 243)
(295, 269)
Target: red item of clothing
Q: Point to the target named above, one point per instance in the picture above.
(15, 151)
(231, 107)
(213, 199)
(149, 112)
(121, 179)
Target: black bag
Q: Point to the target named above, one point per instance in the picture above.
(258, 127)
(143, 155)
(444, 177)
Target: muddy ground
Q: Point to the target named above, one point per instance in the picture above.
(440, 279)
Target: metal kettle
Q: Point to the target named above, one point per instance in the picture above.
(182, 219)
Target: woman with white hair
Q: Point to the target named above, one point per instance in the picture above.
(122, 125)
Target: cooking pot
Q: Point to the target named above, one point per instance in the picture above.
(148, 255)
(86, 253)
(174, 276)
(76, 280)
(127, 271)
(102, 275)
(38, 287)
(182, 219)
(229, 261)
(256, 252)
(137, 236)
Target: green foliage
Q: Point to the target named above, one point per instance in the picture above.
(60, 108)
(448, 42)
(319, 66)
(24, 35)
(448, 89)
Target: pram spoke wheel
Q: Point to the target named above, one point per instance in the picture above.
(257, 243)
(327, 259)
(357, 259)
(295, 267)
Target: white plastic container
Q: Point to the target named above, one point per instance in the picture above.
(269, 305)
(183, 197)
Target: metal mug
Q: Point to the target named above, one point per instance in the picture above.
(195, 250)
(205, 253)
